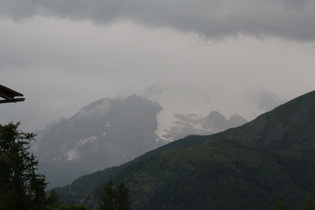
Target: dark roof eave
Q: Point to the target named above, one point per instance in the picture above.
(8, 93)
(12, 101)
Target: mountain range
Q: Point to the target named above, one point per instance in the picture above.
(109, 132)
(247, 167)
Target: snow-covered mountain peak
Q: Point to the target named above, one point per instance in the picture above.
(173, 126)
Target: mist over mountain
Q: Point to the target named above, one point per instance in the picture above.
(109, 132)
(266, 100)
(246, 167)
(227, 101)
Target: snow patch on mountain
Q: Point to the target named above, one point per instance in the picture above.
(84, 141)
(173, 126)
(165, 121)
(73, 154)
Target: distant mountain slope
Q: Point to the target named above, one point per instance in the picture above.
(109, 132)
(289, 128)
(100, 135)
(242, 168)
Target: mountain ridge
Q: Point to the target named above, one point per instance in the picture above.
(294, 117)
(235, 169)
(109, 132)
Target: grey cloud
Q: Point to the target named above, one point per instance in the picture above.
(292, 19)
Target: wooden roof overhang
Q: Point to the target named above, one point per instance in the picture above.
(9, 95)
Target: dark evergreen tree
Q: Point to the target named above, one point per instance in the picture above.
(280, 204)
(114, 198)
(123, 202)
(309, 204)
(70, 207)
(107, 197)
(53, 200)
(21, 187)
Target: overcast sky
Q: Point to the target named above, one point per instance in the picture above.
(62, 55)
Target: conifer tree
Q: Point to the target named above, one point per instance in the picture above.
(20, 186)
(107, 197)
(114, 198)
(309, 204)
(53, 200)
(280, 204)
(123, 202)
